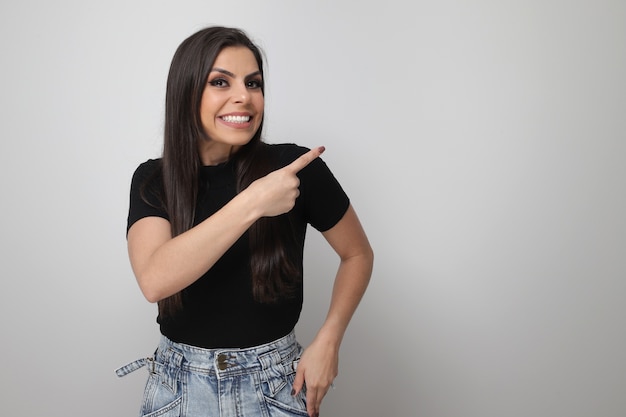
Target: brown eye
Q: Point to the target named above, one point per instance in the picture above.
(254, 84)
(218, 82)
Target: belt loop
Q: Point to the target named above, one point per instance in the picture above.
(133, 366)
(174, 360)
(151, 368)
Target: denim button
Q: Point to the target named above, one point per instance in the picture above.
(221, 362)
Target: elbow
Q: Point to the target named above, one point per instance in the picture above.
(367, 268)
(156, 285)
(151, 292)
(367, 259)
(370, 259)
(363, 259)
(151, 296)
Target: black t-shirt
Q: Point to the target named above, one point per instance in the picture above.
(218, 309)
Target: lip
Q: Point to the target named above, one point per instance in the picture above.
(240, 125)
(236, 113)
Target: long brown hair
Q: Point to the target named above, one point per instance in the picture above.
(273, 273)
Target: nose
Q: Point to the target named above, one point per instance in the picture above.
(241, 94)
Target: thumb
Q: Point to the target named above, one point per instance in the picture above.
(298, 381)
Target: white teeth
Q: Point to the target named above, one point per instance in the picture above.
(236, 119)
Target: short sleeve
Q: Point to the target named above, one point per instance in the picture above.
(324, 200)
(146, 193)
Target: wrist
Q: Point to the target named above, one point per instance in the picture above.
(249, 206)
(330, 335)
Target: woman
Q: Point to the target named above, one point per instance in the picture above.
(215, 234)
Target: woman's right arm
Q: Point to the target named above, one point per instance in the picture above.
(164, 265)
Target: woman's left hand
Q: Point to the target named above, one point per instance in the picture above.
(317, 369)
(318, 365)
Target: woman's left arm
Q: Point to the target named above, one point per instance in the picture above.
(318, 365)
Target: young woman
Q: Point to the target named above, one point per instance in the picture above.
(216, 231)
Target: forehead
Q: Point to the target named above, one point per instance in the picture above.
(236, 59)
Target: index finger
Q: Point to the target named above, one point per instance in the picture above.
(305, 159)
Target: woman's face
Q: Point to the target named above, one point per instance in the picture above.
(232, 104)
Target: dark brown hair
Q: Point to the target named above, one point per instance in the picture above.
(273, 273)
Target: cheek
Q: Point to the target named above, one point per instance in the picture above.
(209, 108)
(207, 104)
(206, 116)
(259, 103)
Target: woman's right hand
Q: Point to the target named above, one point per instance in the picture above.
(165, 265)
(276, 193)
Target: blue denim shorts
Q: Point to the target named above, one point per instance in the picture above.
(187, 381)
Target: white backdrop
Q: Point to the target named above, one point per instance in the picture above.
(482, 143)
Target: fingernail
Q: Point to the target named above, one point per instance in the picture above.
(322, 149)
(293, 392)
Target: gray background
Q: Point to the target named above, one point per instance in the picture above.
(483, 146)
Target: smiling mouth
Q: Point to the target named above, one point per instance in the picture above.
(236, 119)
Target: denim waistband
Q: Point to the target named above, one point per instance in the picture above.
(283, 352)
(229, 361)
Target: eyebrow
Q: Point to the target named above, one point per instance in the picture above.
(230, 74)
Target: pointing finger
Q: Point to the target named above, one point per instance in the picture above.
(305, 159)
